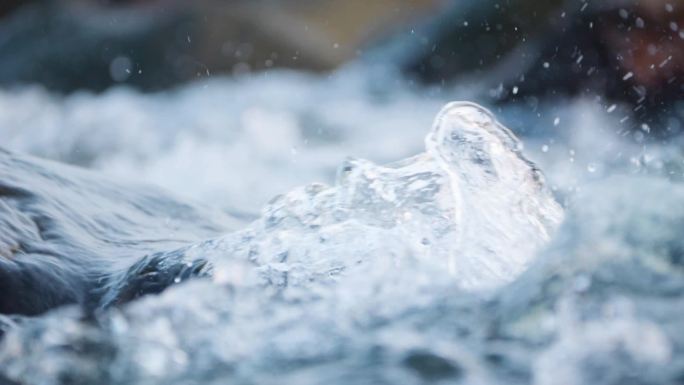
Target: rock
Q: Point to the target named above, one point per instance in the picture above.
(66, 233)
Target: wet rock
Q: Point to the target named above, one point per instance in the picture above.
(432, 367)
(66, 232)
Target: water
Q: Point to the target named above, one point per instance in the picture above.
(451, 266)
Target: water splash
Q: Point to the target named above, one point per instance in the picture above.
(351, 284)
(471, 205)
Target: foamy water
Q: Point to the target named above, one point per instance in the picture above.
(451, 265)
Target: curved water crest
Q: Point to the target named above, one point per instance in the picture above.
(472, 205)
(364, 280)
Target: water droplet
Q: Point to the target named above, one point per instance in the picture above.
(591, 167)
(120, 68)
(556, 121)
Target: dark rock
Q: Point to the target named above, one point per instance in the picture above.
(66, 233)
(432, 367)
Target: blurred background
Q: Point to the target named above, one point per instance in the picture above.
(235, 101)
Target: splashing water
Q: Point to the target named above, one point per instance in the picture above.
(378, 279)
(471, 205)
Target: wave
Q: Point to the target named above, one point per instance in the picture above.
(452, 265)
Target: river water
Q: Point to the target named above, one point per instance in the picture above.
(341, 232)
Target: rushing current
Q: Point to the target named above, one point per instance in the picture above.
(456, 265)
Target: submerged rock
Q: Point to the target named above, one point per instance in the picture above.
(66, 232)
(528, 52)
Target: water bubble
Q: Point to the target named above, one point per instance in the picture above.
(545, 148)
(120, 68)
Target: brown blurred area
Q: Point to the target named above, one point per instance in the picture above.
(627, 52)
(653, 51)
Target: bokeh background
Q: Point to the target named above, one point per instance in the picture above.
(235, 101)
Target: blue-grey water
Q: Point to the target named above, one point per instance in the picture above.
(437, 253)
